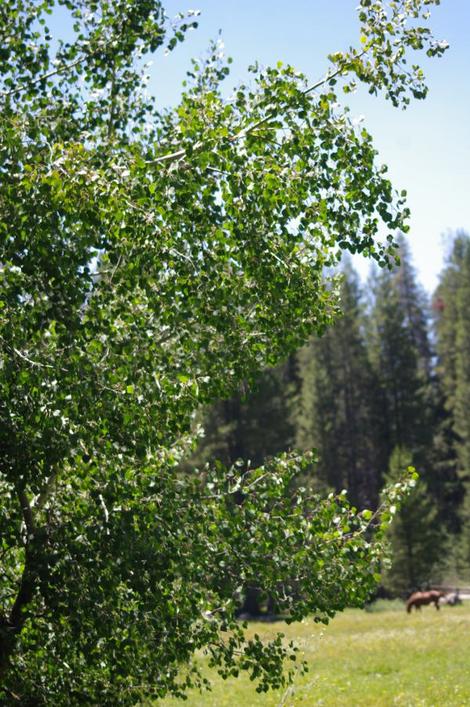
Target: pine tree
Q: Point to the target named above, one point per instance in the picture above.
(337, 403)
(444, 483)
(400, 354)
(415, 305)
(254, 424)
(452, 326)
(417, 543)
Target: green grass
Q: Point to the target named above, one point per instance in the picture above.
(364, 658)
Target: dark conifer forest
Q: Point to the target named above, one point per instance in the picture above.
(386, 387)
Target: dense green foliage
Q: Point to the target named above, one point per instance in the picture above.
(149, 261)
(383, 388)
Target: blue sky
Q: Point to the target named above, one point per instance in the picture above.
(426, 147)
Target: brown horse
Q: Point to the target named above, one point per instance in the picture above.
(418, 599)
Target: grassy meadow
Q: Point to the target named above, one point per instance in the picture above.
(379, 657)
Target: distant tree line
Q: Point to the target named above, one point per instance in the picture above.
(386, 387)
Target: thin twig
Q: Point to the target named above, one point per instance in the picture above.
(29, 360)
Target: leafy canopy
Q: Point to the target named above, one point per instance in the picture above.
(149, 261)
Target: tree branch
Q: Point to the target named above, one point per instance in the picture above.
(40, 500)
(29, 360)
(44, 77)
(328, 77)
(246, 131)
(11, 625)
(26, 510)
